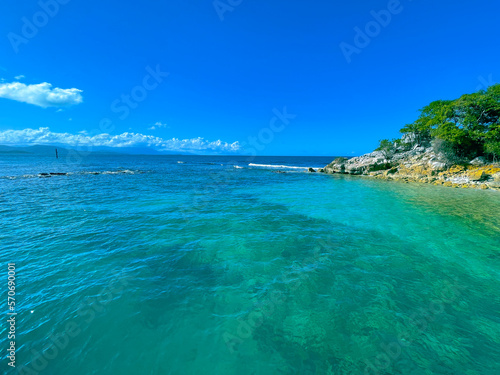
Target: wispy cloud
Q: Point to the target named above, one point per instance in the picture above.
(42, 94)
(158, 125)
(45, 136)
(17, 78)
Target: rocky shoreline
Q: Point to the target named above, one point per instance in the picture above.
(421, 165)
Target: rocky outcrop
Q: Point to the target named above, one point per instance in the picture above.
(420, 165)
(365, 164)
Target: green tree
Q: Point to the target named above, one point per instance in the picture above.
(468, 125)
(492, 142)
(431, 117)
(387, 147)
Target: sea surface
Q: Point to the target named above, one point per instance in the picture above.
(219, 265)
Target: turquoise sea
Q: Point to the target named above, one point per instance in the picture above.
(209, 265)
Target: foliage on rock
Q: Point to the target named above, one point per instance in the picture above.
(464, 128)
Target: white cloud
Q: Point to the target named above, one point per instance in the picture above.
(45, 136)
(158, 125)
(17, 78)
(198, 144)
(42, 94)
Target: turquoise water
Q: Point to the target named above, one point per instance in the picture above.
(190, 265)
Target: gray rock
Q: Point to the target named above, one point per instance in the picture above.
(494, 184)
(364, 164)
(409, 138)
(479, 161)
(437, 165)
(460, 180)
(311, 170)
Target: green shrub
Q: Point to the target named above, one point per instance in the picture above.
(387, 147)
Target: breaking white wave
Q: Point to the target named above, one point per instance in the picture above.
(126, 171)
(276, 166)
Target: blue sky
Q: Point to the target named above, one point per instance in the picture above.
(264, 77)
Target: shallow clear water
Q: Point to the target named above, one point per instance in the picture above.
(199, 267)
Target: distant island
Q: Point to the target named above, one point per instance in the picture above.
(40, 150)
(80, 151)
(454, 143)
